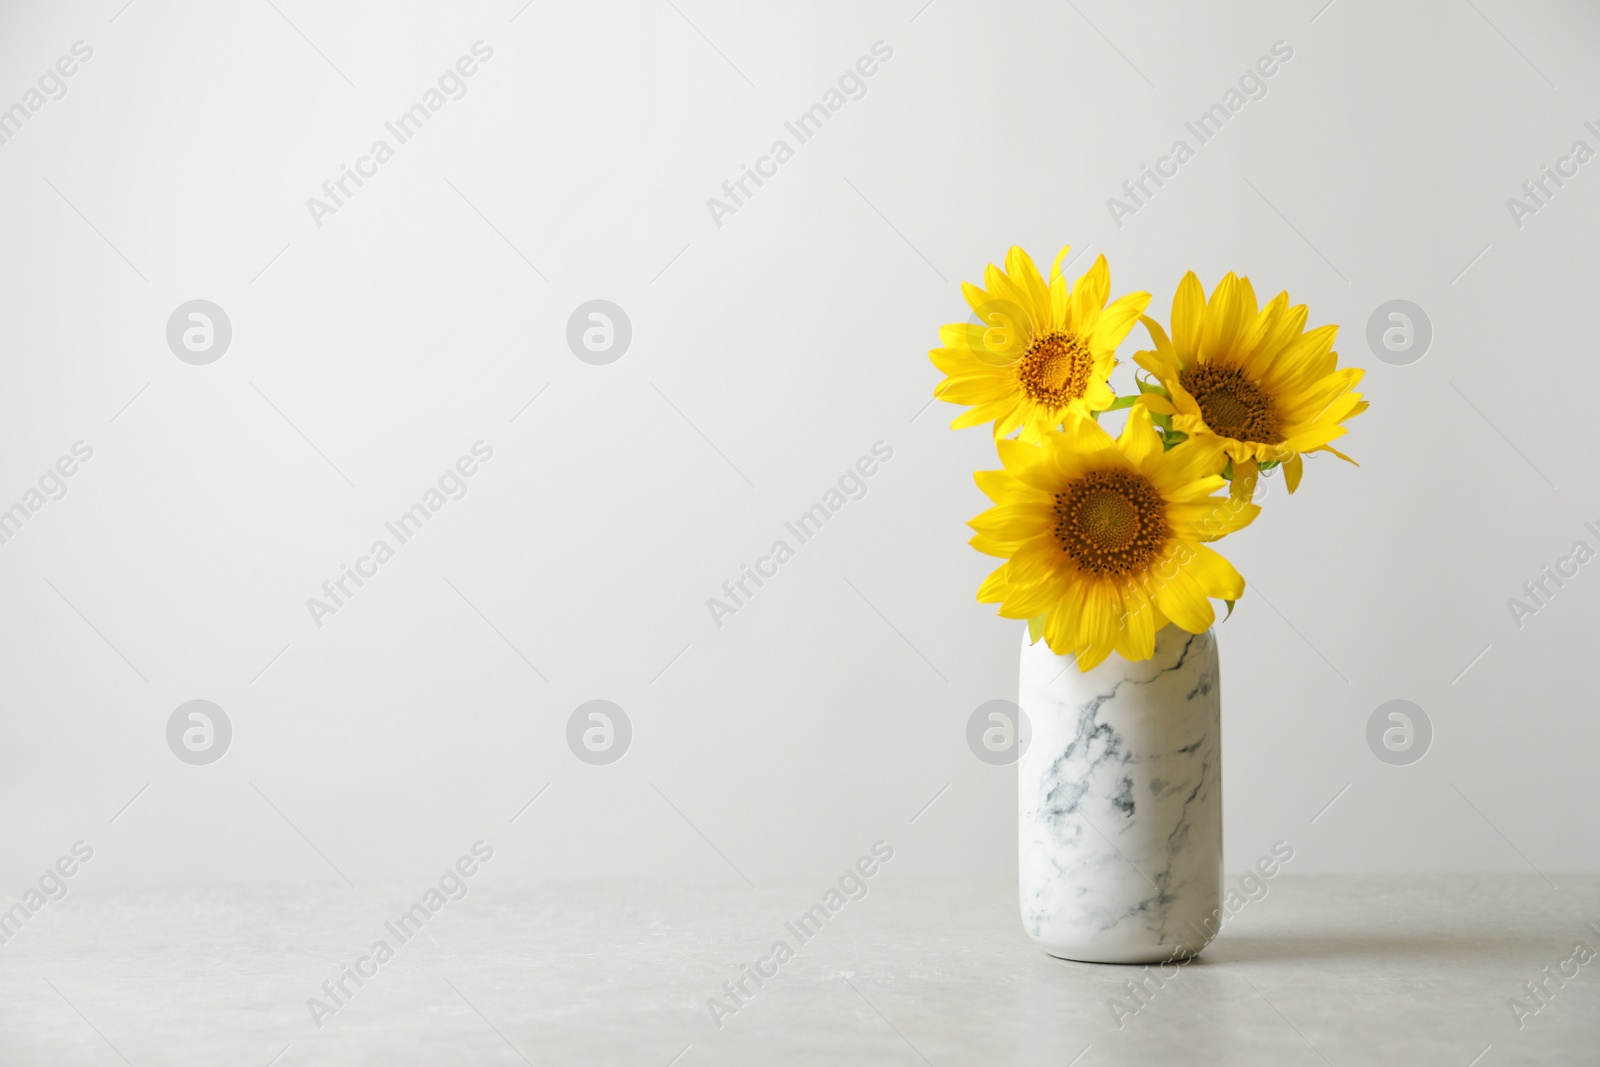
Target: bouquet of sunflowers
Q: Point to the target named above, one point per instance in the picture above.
(1105, 539)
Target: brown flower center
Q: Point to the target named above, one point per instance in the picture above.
(1232, 405)
(1111, 522)
(1056, 369)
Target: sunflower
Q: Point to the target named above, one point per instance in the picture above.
(1042, 352)
(1102, 537)
(1254, 379)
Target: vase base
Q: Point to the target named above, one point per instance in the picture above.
(1125, 956)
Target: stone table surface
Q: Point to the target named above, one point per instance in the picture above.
(1320, 970)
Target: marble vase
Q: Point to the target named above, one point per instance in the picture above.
(1120, 802)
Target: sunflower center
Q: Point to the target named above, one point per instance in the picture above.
(1056, 369)
(1232, 405)
(1111, 522)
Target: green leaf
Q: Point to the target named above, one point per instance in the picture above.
(1123, 402)
(1227, 472)
(1172, 438)
(1149, 387)
(1269, 464)
(1229, 615)
(1035, 629)
(1163, 422)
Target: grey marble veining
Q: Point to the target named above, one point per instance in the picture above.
(1120, 802)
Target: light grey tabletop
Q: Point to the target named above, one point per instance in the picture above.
(1321, 970)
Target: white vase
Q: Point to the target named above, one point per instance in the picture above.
(1120, 802)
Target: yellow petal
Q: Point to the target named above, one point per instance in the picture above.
(996, 343)
(1060, 627)
(1117, 319)
(961, 335)
(1245, 475)
(976, 298)
(1247, 295)
(1183, 602)
(1098, 623)
(1055, 267)
(983, 413)
(1014, 522)
(1194, 492)
(955, 361)
(973, 389)
(1214, 575)
(993, 588)
(997, 485)
(1137, 640)
(1211, 518)
(1026, 601)
(1164, 350)
(1025, 276)
(1008, 296)
(1293, 467)
(990, 547)
(1157, 404)
(1188, 316)
(1266, 322)
(1089, 296)
(1139, 440)
(1187, 461)
(1335, 451)
(1225, 316)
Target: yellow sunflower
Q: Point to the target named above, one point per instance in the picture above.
(1102, 537)
(1043, 351)
(1252, 378)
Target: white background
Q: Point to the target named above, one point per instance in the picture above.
(768, 355)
